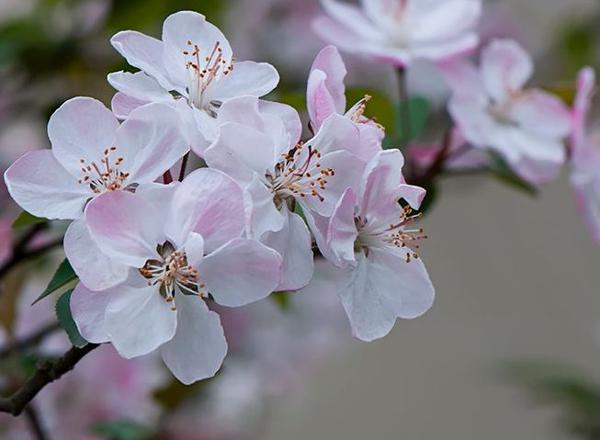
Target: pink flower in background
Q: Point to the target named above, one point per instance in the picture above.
(492, 109)
(373, 250)
(400, 31)
(179, 242)
(326, 95)
(92, 154)
(585, 155)
(195, 61)
(259, 146)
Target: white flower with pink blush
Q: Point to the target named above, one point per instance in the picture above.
(585, 154)
(494, 111)
(191, 69)
(179, 243)
(259, 146)
(400, 31)
(326, 95)
(93, 154)
(372, 245)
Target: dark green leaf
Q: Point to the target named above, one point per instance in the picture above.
(121, 430)
(419, 111)
(27, 219)
(63, 313)
(282, 299)
(504, 173)
(63, 277)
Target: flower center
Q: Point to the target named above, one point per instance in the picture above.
(104, 177)
(202, 72)
(298, 174)
(172, 273)
(394, 234)
(501, 113)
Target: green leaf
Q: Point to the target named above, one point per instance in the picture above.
(298, 210)
(505, 174)
(63, 277)
(63, 313)
(121, 430)
(293, 99)
(419, 110)
(27, 219)
(282, 300)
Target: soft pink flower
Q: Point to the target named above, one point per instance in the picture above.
(400, 31)
(92, 154)
(372, 250)
(494, 111)
(585, 155)
(259, 146)
(195, 62)
(326, 95)
(178, 242)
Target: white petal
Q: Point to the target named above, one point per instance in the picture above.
(139, 321)
(81, 128)
(505, 67)
(246, 79)
(122, 105)
(41, 186)
(96, 270)
(88, 309)
(240, 272)
(198, 348)
(140, 86)
(293, 243)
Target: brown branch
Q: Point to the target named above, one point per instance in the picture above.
(46, 372)
(183, 168)
(35, 423)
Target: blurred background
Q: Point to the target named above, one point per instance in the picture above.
(511, 348)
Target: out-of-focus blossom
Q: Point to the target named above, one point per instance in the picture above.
(459, 155)
(92, 154)
(494, 111)
(259, 146)
(585, 155)
(399, 31)
(194, 60)
(326, 95)
(373, 250)
(178, 242)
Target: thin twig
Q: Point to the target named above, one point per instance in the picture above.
(405, 116)
(20, 257)
(437, 165)
(35, 423)
(46, 372)
(167, 177)
(30, 340)
(184, 163)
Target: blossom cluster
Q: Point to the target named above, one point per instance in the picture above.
(156, 247)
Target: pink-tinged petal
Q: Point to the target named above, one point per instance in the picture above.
(465, 81)
(41, 186)
(242, 152)
(150, 142)
(201, 129)
(140, 86)
(505, 67)
(537, 172)
(198, 348)
(81, 128)
(96, 270)
(194, 249)
(286, 114)
(241, 272)
(341, 230)
(246, 79)
(264, 215)
(460, 46)
(122, 105)
(350, 16)
(447, 20)
(587, 190)
(472, 119)
(338, 133)
(210, 203)
(586, 81)
(319, 101)
(414, 195)
(542, 113)
(293, 242)
(145, 53)
(330, 62)
(88, 308)
(382, 288)
(188, 26)
(348, 171)
(529, 144)
(139, 321)
(338, 34)
(379, 187)
(125, 226)
(371, 138)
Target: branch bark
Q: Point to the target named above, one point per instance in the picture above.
(46, 373)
